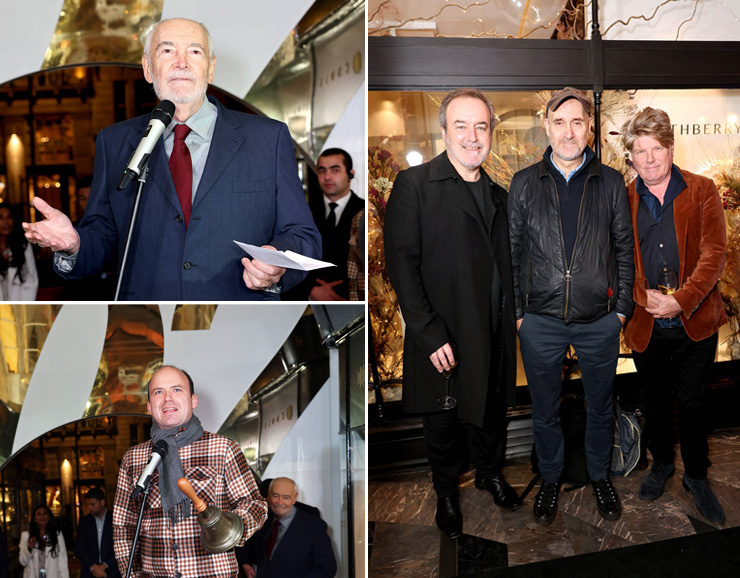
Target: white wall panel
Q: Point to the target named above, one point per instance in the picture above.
(61, 382)
(349, 134)
(714, 20)
(26, 29)
(225, 360)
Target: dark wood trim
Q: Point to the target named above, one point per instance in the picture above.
(507, 64)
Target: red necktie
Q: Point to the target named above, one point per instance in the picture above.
(271, 539)
(181, 168)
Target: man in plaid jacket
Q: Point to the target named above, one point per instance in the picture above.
(169, 541)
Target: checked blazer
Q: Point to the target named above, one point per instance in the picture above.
(219, 474)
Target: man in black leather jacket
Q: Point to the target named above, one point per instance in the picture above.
(571, 251)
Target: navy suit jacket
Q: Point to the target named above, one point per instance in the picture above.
(86, 548)
(249, 192)
(304, 552)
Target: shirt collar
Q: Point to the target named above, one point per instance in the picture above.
(573, 172)
(201, 123)
(675, 186)
(288, 518)
(340, 202)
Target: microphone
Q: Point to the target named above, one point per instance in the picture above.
(161, 118)
(158, 452)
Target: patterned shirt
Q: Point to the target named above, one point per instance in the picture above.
(355, 258)
(219, 474)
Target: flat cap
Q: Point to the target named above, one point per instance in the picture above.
(560, 96)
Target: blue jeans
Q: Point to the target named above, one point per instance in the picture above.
(544, 342)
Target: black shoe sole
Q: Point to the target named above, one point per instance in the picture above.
(611, 517)
(544, 521)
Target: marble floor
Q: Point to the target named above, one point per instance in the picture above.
(406, 502)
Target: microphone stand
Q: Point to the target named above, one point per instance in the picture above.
(129, 234)
(138, 522)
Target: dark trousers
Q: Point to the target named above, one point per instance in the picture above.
(449, 441)
(675, 368)
(544, 342)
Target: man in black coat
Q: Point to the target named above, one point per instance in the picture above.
(447, 255)
(94, 546)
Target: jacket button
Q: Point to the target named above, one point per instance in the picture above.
(174, 546)
(179, 219)
(188, 265)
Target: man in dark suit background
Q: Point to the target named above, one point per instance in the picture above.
(293, 542)
(215, 176)
(94, 546)
(447, 255)
(333, 216)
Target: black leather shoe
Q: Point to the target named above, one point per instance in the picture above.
(503, 494)
(546, 503)
(607, 500)
(449, 518)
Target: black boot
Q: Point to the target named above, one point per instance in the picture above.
(449, 518)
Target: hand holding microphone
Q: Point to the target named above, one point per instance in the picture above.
(159, 451)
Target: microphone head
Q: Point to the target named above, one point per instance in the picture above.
(161, 446)
(164, 112)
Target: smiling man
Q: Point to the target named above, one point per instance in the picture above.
(215, 176)
(169, 543)
(571, 253)
(447, 255)
(293, 541)
(678, 225)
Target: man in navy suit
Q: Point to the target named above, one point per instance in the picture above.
(221, 176)
(94, 547)
(293, 542)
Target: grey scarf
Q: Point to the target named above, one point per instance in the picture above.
(177, 505)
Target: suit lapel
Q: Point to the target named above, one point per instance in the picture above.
(226, 141)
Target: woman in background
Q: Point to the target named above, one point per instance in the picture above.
(18, 277)
(43, 548)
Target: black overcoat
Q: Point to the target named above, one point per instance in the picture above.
(441, 261)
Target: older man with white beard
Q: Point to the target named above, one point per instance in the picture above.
(214, 176)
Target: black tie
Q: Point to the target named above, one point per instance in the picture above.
(331, 220)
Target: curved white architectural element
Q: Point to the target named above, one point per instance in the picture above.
(349, 134)
(64, 375)
(223, 361)
(25, 32)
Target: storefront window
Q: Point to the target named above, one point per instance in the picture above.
(403, 130)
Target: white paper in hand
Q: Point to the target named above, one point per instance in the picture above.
(286, 259)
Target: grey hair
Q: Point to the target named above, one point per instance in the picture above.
(295, 486)
(152, 30)
(469, 93)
